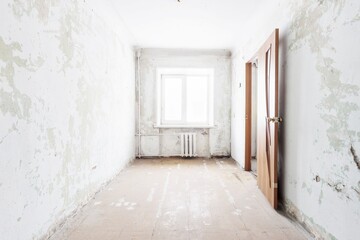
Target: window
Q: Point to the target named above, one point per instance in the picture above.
(185, 97)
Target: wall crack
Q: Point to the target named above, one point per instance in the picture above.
(355, 156)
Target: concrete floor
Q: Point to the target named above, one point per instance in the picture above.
(180, 199)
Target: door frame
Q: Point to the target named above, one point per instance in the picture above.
(248, 114)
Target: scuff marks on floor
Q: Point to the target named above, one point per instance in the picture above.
(163, 195)
(196, 207)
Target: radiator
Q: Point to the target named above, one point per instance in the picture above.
(188, 144)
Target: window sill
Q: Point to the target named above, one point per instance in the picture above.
(184, 126)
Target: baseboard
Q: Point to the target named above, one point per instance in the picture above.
(315, 230)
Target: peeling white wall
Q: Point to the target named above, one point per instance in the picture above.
(67, 100)
(320, 103)
(210, 142)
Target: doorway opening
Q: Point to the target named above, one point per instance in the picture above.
(251, 116)
(254, 75)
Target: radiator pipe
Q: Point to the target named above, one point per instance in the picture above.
(138, 55)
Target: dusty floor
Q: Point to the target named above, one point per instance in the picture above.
(181, 199)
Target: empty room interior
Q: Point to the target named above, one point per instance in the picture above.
(179, 119)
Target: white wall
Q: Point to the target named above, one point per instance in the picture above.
(320, 104)
(66, 109)
(210, 142)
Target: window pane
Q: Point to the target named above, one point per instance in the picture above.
(172, 87)
(197, 99)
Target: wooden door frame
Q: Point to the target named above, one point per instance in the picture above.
(248, 114)
(248, 110)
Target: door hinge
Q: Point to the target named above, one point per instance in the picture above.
(274, 119)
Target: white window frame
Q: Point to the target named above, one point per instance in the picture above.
(184, 73)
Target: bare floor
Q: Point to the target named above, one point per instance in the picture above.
(180, 199)
(254, 166)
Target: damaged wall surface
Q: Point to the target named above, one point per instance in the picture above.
(210, 142)
(320, 103)
(66, 79)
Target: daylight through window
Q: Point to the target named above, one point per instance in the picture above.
(185, 97)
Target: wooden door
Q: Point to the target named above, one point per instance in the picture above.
(268, 120)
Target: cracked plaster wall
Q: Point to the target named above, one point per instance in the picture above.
(66, 109)
(320, 103)
(210, 142)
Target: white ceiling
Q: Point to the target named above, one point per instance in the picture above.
(204, 24)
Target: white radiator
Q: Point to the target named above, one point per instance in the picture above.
(188, 144)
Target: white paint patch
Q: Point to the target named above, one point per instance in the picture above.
(205, 166)
(219, 164)
(151, 195)
(230, 197)
(206, 223)
(178, 166)
(187, 185)
(97, 203)
(222, 183)
(158, 214)
(237, 212)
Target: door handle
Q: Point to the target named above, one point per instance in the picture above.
(274, 119)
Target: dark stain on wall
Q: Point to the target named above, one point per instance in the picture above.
(355, 156)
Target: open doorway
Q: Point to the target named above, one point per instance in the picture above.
(251, 116)
(254, 75)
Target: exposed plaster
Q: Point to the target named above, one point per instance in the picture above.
(70, 25)
(335, 106)
(355, 19)
(337, 186)
(12, 101)
(41, 7)
(63, 90)
(357, 190)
